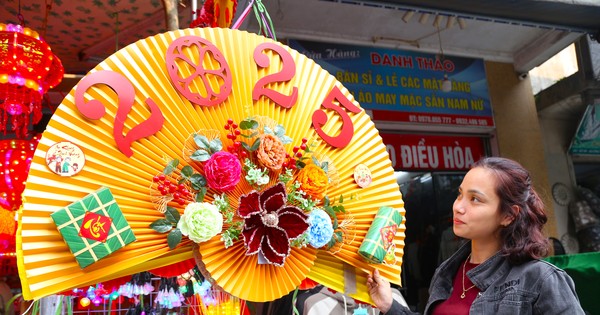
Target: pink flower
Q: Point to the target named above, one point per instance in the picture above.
(270, 224)
(222, 171)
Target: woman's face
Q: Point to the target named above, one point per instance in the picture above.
(477, 207)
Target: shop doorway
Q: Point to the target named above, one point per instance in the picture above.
(428, 199)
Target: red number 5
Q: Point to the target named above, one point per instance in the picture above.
(319, 118)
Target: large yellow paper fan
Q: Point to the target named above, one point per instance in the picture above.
(142, 114)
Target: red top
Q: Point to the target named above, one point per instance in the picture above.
(455, 304)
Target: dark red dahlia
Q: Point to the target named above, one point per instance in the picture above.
(270, 224)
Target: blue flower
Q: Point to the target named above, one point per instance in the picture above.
(321, 228)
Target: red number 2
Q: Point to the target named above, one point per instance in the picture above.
(94, 109)
(288, 70)
(319, 118)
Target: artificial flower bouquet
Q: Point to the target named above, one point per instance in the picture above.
(248, 187)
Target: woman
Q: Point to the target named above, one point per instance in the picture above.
(499, 270)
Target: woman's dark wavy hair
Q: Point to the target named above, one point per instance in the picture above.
(522, 239)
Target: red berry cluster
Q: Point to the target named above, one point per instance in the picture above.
(234, 132)
(290, 160)
(179, 192)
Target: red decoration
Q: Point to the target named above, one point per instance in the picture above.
(174, 270)
(308, 284)
(28, 69)
(215, 13)
(95, 227)
(270, 223)
(15, 158)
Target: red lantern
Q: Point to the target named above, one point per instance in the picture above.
(15, 158)
(28, 68)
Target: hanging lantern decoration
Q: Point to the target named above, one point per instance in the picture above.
(15, 158)
(215, 13)
(28, 69)
(446, 84)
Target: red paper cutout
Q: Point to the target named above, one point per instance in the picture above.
(288, 71)
(94, 109)
(95, 227)
(206, 50)
(319, 118)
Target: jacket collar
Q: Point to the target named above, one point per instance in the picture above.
(483, 275)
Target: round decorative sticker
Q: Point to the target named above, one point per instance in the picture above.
(362, 175)
(65, 158)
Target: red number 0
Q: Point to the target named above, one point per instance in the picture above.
(94, 109)
(319, 118)
(288, 70)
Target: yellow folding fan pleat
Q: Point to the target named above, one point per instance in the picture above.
(45, 264)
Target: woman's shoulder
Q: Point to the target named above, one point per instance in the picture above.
(538, 270)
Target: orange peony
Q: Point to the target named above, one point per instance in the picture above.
(313, 181)
(271, 153)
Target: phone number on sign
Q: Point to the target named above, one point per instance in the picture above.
(448, 120)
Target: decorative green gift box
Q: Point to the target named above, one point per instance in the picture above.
(379, 241)
(93, 227)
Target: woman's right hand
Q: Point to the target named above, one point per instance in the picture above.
(380, 291)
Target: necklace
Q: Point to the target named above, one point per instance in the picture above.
(462, 296)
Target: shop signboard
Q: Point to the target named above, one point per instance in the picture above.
(407, 86)
(587, 139)
(432, 152)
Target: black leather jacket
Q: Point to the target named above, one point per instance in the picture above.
(535, 287)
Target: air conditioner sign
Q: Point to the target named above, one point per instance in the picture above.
(425, 152)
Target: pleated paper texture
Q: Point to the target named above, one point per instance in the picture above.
(46, 265)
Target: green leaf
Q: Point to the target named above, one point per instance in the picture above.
(161, 226)
(300, 165)
(338, 236)
(200, 155)
(248, 124)
(326, 202)
(198, 181)
(172, 215)
(187, 171)
(252, 135)
(331, 213)
(201, 141)
(285, 139)
(279, 131)
(331, 243)
(341, 198)
(339, 208)
(171, 166)
(325, 166)
(315, 161)
(200, 195)
(246, 146)
(215, 145)
(255, 145)
(174, 238)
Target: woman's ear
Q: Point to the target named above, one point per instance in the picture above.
(510, 217)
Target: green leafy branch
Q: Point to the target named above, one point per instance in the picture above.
(169, 225)
(324, 165)
(232, 233)
(206, 148)
(196, 180)
(333, 210)
(250, 124)
(297, 197)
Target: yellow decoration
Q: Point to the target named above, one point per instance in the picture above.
(7, 221)
(46, 265)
